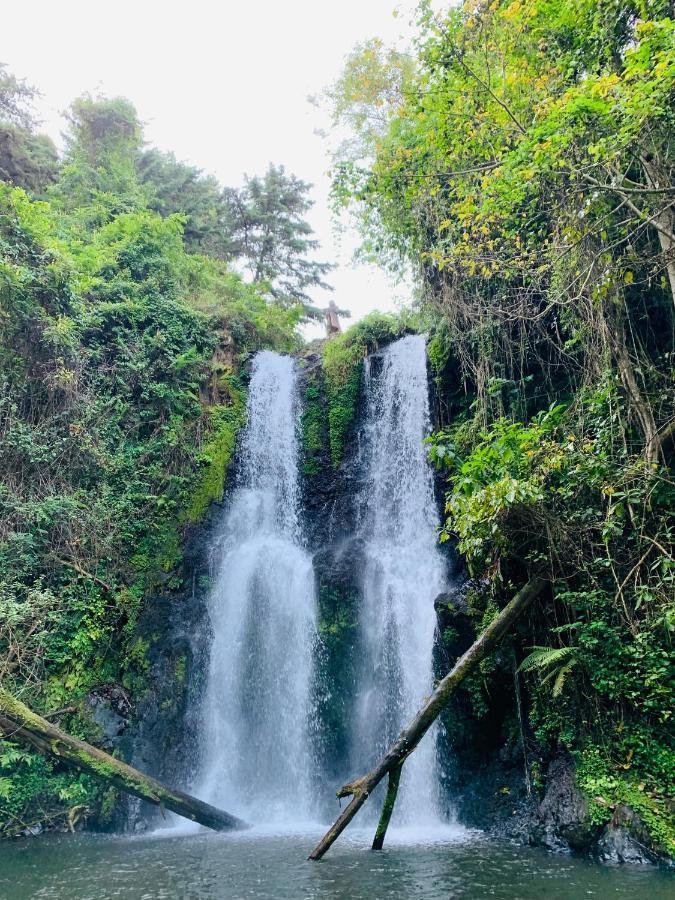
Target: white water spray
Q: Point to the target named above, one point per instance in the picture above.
(404, 573)
(257, 759)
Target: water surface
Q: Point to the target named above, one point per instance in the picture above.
(254, 865)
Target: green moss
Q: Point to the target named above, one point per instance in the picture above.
(137, 654)
(343, 363)
(108, 805)
(313, 428)
(341, 412)
(338, 630)
(225, 421)
(606, 783)
(136, 668)
(181, 669)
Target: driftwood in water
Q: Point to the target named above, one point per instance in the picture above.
(361, 788)
(387, 807)
(19, 723)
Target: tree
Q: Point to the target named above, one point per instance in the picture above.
(103, 145)
(19, 723)
(366, 96)
(529, 174)
(176, 187)
(27, 160)
(273, 239)
(15, 99)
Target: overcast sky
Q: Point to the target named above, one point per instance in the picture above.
(224, 85)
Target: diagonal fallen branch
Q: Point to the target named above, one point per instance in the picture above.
(360, 788)
(19, 723)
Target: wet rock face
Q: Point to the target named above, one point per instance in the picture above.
(625, 839)
(161, 738)
(561, 820)
(337, 569)
(330, 514)
(497, 801)
(454, 623)
(110, 708)
(328, 493)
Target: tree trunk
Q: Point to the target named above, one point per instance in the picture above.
(665, 221)
(641, 406)
(18, 722)
(361, 788)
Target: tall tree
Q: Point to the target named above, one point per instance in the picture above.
(16, 97)
(27, 160)
(273, 239)
(176, 187)
(103, 145)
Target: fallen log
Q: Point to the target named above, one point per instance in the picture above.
(387, 807)
(19, 723)
(360, 788)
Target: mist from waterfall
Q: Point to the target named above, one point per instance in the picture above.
(256, 745)
(404, 572)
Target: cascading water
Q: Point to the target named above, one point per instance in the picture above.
(404, 572)
(257, 757)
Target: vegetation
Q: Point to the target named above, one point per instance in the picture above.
(313, 426)
(273, 240)
(522, 161)
(343, 364)
(123, 335)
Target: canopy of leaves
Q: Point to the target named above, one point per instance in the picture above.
(175, 187)
(272, 238)
(27, 159)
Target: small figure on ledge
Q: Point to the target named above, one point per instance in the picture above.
(332, 314)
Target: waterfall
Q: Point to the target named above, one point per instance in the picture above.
(256, 750)
(404, 572)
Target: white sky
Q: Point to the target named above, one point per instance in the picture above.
(224, 85)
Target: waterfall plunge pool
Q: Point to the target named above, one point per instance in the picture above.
(259, 865)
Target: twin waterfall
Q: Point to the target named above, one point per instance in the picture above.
(404, 573)
(257, 716)
(260, 727)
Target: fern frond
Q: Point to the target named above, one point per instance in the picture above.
(544, 657)
(563, 672)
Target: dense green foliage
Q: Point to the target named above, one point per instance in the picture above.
(175, 187)
(313, 426)
(27, 159)
(343, 364)
(523, 163)
(520, 160)
(121, 395)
